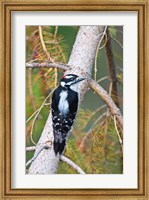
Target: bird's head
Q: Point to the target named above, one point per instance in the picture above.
(70, 81)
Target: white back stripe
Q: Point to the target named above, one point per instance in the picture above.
(63, 103)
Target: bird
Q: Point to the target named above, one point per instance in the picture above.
(64, 106)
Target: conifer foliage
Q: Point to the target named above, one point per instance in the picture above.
(94, 143)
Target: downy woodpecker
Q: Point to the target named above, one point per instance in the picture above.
(64, 108)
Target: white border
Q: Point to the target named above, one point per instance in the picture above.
(129, 178)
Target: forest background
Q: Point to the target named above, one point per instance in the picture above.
(94, 144)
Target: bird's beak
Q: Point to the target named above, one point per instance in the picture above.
(79, 79)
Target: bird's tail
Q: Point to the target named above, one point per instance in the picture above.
(59, 147)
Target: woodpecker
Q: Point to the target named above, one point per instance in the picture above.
(64, 108)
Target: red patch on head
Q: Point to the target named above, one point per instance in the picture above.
(63, 76)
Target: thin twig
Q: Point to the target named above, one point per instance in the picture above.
(43, 44)
(110, 88)
(44, 146)
(72, 164)
(42, 105)
(119, 137)
(96, 55)
(104, 42)
(32, 148)
(58, 46)
(47, 104)
(102, 79)
(48, 65)
(32, 116)
(55, 32)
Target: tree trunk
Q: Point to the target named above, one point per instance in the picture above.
(81, 62)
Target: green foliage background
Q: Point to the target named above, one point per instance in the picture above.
(93, 143)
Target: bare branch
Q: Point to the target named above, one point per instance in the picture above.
(32, 115)
(32, 148)
(55, 33)
(41, 147)
(43, 44)
(102, 79)
(47, 64)
(97, 50)
(107, 99)
(72, 164)
(119, 137)
(112, 69)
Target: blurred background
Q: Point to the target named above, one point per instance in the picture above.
(93, 143)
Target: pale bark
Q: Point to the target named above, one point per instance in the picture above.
(47, 64)
(81, 62)
(72, 164)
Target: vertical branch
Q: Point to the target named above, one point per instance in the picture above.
(96, 55)
(43, 44)
(112, 70)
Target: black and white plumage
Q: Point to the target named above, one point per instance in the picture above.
(64, 108)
